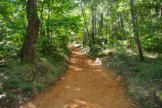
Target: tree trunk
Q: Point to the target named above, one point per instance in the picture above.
(86, 34)
(135, 31)
(28, 52)
(122, 25)
(93, 26)
(84, 16)
(100, 32)
(41, 17)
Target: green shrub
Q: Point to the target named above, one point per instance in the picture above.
(23, 80)
(26, 87)
(143, 78)
(11, 83)
(39, 86)
(96, 51)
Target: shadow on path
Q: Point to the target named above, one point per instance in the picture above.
(86, 84)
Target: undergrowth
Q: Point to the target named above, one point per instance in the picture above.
(22, 81)
(143, 79)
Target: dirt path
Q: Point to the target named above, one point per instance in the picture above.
(85, 85)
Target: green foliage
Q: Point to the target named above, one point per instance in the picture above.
(40, 86)
(58, 24)
(95, 51)
(153, 44)
(98, 24)
(10, 84)
(116, 24)
(26, 87)
(143, 78)
(27, 79)
(12, 28)
(12, 101)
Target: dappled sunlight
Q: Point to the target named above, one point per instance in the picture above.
(103, 74)
(63, 78)
(64, 47)
(86, 84)
(78, 53)
(92, 63)
(98, 61)
(78, 103)
(76, 45)
(29, 105)
(75, 61)
(99, 70)
(77, 89)
(75, 68)
(68, 87)
(1, 96)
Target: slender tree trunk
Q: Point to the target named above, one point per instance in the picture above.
(122, 25)
(94, 27)
(48, 27)
(84, 16)
(28, 52)
(93, 24)
(101, 23)
(100, 32)
(135, 30)
(41, 17)
(85, 24)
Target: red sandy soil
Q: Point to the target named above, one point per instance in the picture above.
(86, 84)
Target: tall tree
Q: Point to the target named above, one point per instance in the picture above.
(84, 16)
(28, 52)
(93, 9)
(135, 30)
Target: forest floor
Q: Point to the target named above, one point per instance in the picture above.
(86, 84)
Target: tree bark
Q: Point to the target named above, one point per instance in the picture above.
(135, 31)
(122, 25)
(41, 17)
(84, 16)
(28, 51)
(100, 32)
(93, 25)
(85, 25)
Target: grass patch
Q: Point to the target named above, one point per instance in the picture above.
(19, 81)
(143, 79)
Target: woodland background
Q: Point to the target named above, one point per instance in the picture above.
(35, 34)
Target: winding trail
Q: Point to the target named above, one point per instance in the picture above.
(86, 84)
